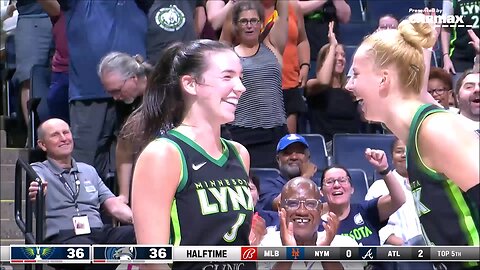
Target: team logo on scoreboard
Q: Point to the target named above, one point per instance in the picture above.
(38, 253)
(295, 253)
(120, 253)
(249, 253)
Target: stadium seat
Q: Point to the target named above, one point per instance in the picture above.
(38, 107)
(349, 151)
(360, 184)
(399, 8)
(263, 173)
(318, 150)
(353, 33)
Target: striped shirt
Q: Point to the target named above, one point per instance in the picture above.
(261, 106)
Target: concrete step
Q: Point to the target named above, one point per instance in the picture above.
(3, 138)
(10, 230)
(8, 190)
(6, 209)
(9, 156)
(7, 242)
(7, 172)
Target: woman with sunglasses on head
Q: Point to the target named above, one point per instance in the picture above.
(362, 221)
(260, 119)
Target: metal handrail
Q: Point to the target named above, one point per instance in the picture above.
(26, 226)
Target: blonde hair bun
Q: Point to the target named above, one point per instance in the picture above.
(417, 32)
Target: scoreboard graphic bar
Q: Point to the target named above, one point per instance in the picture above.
(27, 254)
(144, 254)
(140, 254)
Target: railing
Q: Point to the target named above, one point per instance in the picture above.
(26, 226)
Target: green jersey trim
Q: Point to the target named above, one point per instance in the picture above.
(219, 161)
(237, 154)
(414, 138)
(176, 235)
(467, 223)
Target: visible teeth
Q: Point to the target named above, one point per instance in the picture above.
(301, 220)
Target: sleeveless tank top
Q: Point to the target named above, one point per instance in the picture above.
(261, 106)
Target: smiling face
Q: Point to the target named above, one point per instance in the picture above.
(301, 201)
(364, 84)
(336, 187)
(56, 139)
(439, 91)
(469, 97)
(220, 86)
(399, 158)
(291, 159)
(339, 60)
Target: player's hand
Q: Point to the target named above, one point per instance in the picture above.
(377, 158)
(330, 223)
(33, 190)
(258, 230)
(286, 230)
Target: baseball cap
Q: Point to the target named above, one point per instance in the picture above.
(289, 139)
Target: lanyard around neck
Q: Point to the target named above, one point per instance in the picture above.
(69, 189)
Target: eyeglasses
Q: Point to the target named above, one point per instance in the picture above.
(331, 181)
(117, 91)
(294, 204)
(436, 91)
(252, 21)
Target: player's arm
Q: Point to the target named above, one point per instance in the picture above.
(155, 180)
(448, 146)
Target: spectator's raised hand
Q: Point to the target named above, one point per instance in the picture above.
(258, 230)
(308, 169)
(286, 230)
(330, 223)
(33, 189)
(377, 158)
(475, 40)
(332, 39)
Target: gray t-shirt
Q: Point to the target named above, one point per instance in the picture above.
(59, 202)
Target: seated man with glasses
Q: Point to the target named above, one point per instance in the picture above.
(300, 216)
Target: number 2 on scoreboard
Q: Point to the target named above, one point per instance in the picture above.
(420, 253)
(159, 253)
